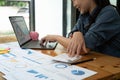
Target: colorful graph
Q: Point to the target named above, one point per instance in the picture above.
(61, 66)
(77, 72)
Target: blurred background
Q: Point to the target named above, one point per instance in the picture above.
(43, 16)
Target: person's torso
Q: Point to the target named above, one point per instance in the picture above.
(112, 46)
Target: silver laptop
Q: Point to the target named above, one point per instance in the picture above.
(22, 33)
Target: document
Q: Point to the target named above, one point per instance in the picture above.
(22, 64)
(65, 58)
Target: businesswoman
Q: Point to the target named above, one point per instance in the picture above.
(98, 29)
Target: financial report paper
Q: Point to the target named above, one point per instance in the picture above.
(22, 64)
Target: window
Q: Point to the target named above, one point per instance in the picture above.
(67, 16)
(70, 16)
(113, 2)
(13, 8)
(48, 17)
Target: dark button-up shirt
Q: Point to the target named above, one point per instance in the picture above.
(104, 34)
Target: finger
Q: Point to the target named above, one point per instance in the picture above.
(69, 49)
(74, 50)
(79, 50)
(43, 40)
(84, 48)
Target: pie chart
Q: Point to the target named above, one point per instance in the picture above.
(77, 72)
(61, 66)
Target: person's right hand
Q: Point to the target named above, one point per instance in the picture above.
(77, 45)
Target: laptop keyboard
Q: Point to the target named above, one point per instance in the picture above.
(37, 44)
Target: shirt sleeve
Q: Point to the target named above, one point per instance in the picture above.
(77, 26)
(107, 25)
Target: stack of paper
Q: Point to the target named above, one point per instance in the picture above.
(22, 64)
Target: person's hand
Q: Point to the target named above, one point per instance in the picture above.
(48, 38)
(77, 46)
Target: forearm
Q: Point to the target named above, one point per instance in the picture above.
(63, 41)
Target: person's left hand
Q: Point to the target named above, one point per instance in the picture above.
(77, 46)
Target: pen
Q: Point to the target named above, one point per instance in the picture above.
(5, 51)
(83, 61)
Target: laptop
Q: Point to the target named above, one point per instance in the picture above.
(22, 34)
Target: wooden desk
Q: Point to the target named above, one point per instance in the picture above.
(108, 67)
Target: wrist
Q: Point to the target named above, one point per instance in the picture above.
(77, 34)
(56, 37)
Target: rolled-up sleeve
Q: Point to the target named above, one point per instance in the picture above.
(107, 25)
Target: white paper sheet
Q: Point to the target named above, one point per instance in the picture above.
(65, 58)
(22, 64)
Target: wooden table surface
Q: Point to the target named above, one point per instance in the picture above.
(108, 67)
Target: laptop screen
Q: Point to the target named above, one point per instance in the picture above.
(20, 29)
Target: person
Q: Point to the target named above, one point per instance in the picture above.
(98, 29)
